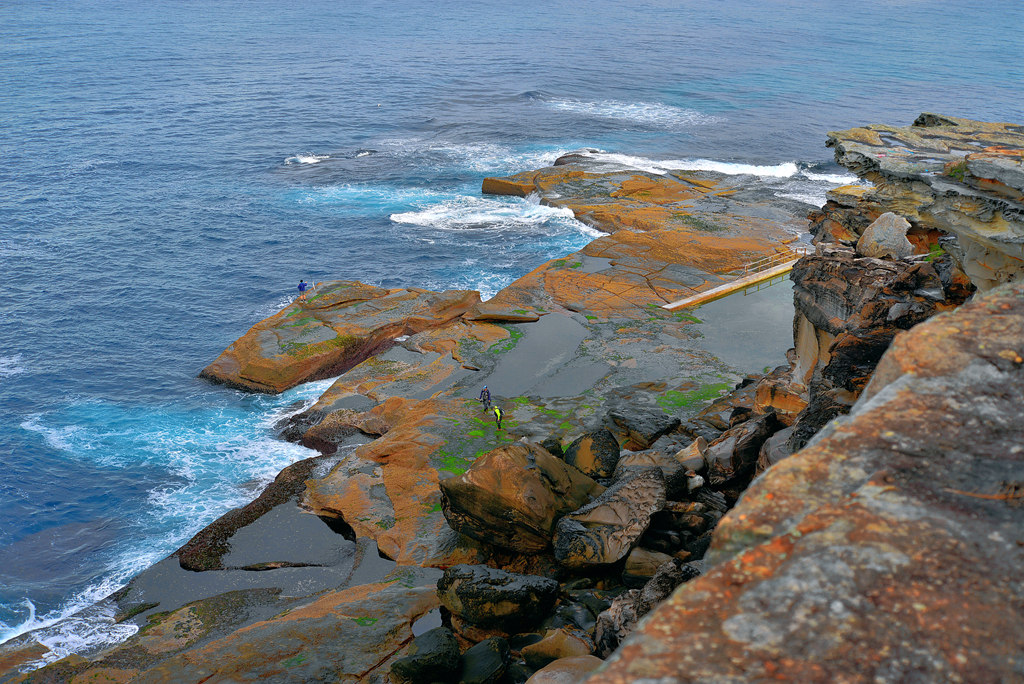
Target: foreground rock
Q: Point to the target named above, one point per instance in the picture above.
(330, 332)
(891, 549)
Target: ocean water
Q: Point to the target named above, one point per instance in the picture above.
(170, 170)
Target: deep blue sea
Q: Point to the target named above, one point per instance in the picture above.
(170, 170)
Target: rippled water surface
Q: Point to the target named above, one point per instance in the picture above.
(169, 170)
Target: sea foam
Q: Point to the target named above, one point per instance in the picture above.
(647, 113)
(468, 212)
(307, 158)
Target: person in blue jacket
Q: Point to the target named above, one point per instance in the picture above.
(303, 285)
(485, 398)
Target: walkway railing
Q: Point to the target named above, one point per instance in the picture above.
(767, 269)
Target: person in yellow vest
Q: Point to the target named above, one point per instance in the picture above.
(497, 416)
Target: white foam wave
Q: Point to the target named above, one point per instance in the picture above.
(816, 199)
(81, 624)
(663, 167)
(834, 178)
(64, 438)
(11, 365)
(490, 158)
(649, 113)
(366, 195)
(468, 212)
(307, 158)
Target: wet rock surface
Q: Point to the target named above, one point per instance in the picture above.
(339, 325)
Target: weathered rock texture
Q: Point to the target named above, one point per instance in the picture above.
(606, 529)
(848, 309)
(959, 176)
(891, 549)
(330, 332)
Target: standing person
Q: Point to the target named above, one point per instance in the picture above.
(485, 398)
(497, 416)
(302, 289)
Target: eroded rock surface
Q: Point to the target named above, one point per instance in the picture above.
(605, 530)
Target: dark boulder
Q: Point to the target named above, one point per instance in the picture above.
(432, 657)
(485, 663)
(594, 454)
(638, 428)
(489, 597)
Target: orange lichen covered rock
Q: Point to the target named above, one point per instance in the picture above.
(669, 236)
(336, 327)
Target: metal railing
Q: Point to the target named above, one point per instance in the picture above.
(773, 260)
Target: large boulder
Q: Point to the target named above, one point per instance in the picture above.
(594, 453)
(886, 238)
(891, 549)
(341, 324)
(489, 597)
(605, 530)
(512, 497)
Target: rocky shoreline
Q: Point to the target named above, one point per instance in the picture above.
(850, 515)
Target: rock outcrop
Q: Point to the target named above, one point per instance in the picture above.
(341, 324)
(962, 177)
(890, 549)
